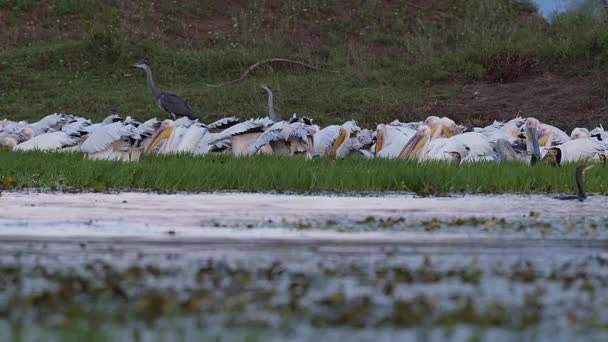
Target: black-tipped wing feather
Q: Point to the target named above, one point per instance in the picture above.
(173, 104)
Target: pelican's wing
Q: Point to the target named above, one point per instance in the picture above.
(48, 142)
(253, 125)
(266, 138)
(103, 137)
(325, 138)
(302, 131)
(223, 123)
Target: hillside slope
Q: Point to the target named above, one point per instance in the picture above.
(475, 61)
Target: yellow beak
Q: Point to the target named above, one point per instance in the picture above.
(338, 143)
(448, 132)
(165, 134)
(379, 141)
(411, 149)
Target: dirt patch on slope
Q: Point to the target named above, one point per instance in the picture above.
(564, 101)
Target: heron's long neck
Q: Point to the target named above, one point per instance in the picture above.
(273, 115)
(150, 82)
(580, 184)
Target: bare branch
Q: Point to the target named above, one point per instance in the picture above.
(266, 61)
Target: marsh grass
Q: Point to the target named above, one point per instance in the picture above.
(69, 172)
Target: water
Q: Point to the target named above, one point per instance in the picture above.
(276, 267)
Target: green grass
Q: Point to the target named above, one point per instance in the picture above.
(385, 60)
(69, 172)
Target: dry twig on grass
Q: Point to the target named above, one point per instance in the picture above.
(266, 61)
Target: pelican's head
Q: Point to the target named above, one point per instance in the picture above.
(381, 136)
(545, 135)
(512, 130)
(532, 144)
(457, 157)
(444, 126)
(580, 133)
(448, 126)
(27, 133)
(430, 121)
(553, 156)
(348, 130)
(8, 143)
(416, 143)
(164, 132)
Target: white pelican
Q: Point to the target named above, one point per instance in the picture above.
(52, 141)
(579, 133)
(10, 140)
(110, 142)
(582, 149)
(599, 133)
(351, 138)
(243, 135)
(325, 139)
(288, 138)
(392, 138)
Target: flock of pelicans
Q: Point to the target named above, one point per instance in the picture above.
(520, 139)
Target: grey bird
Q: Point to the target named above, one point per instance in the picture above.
(168, 101)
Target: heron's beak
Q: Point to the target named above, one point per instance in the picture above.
(533, 148)
(160, 136)
(341, 138)
(380, 138)
(413, 146)
(587, 168)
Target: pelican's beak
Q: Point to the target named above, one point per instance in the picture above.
(543, 139)
(534, 148)
(380, 139)
(86, 156)
(448, 132)
(433, 130)
(160, 136)
(413, 146)
(603, 158)
(341, 138)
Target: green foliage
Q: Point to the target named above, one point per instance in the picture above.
(69, 172)
(382, 57)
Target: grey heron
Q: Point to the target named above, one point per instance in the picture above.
(581, 196)
(273, 115)
(168, 101)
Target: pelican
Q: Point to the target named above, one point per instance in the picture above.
(391, 138)
(50, 141)
(580, 184)
(580, 133)
(351, 139)
(288, 138)
(583, 149)
(599, 133)
(111, 142)
(10, 140)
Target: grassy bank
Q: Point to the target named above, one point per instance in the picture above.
(387, 57)
(68, 172)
